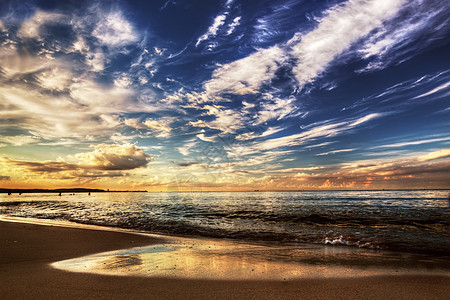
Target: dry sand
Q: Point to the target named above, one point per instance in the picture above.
(26, 250)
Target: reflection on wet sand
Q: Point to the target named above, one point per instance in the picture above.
(226, 260)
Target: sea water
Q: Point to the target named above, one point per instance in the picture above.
(402, 221)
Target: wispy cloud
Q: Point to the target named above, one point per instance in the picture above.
(186, 148)
(31, 28)
(204, 138)
(413, 143)
(319, 145)
(18, 140)
(212, 30)
(252, 135)
(335, 151)
(274, 108)
(443, 153)
(341, 26)
(435, 90)
(407, 91)
(310, 133)
(219, 21)
(389, 44)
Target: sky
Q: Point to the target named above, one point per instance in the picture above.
(178, 95)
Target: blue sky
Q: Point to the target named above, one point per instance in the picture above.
(225, 95)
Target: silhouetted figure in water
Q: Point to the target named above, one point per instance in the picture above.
(9, 194)
(89, 193)
(59, 194)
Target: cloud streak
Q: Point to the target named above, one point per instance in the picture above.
(310, 133)
(413, 143)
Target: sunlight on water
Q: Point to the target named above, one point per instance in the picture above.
(225, 260)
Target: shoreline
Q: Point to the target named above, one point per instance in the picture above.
(27, 250)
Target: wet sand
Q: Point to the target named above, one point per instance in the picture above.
(26, 251)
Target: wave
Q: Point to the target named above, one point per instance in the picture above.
(404, 229)
(185, 212)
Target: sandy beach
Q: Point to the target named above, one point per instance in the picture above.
(27, 250)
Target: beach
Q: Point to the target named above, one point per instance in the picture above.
(27, 250)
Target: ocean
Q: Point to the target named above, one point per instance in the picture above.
(404, 221)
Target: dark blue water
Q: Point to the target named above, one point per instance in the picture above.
(408, 221)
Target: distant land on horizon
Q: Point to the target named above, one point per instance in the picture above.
(63, 190)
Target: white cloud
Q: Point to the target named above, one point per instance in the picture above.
(123, 81)
(96, 60)
(114, 30)
(228, 3)
(158, 51)
(55, 79)
(212, 30)
(185, 149)
(100, 99)
(365, 119)
(232, 26)
(338, 29)
(109, 121)
(435, 90)
(319, 145)
(204, 138)
(443, 153)
(227, 121)
(18, 140)
(13, 64)
(212, 109)
(162, 126)
(252, 135)
(276, 109)
(246, 75)
(31, 27)
(114, 157)
(336, 151)
(80, 45)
